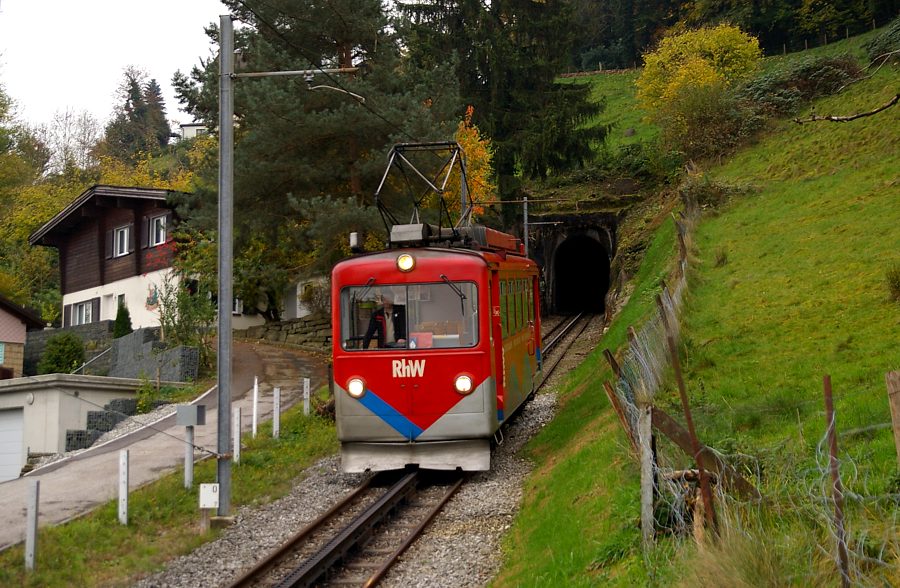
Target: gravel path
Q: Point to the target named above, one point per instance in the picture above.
(461, 548)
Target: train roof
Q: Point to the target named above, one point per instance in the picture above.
(474, 237)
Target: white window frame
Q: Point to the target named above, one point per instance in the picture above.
(237, 307)
(157, 230)
(81, 313)
(121, 241)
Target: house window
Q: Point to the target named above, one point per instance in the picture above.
(157, 230)
(237, 307)
(2, 353)
(120, 301)
(81, 313)
(122, 241)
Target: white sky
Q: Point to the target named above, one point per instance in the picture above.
(59, 54)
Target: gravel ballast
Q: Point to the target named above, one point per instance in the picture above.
(461, 547)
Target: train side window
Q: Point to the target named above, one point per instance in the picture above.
(503, 308)
(530, 288)
(510, 309)
(517, 301)
(522, 319)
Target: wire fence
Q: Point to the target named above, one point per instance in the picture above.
(851, 525)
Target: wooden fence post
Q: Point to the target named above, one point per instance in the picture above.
(837, 488)
(892, 379)
(644, 432)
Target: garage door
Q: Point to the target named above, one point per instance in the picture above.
(11, 439)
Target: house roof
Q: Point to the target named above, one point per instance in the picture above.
(99, 194)
(30, 319)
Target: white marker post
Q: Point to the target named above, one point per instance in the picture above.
(276, 413)
(123, 487)
(255, 406)
(236, 434)
(305, 396)
(31, 525)
(209, 501)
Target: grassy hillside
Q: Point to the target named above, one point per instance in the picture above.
(789, 284)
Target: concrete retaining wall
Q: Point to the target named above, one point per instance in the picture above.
(95, 336)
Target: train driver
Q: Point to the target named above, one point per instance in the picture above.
(388, 323)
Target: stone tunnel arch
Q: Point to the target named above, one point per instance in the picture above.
(580, 275)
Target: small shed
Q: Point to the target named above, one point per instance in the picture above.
(36, 412)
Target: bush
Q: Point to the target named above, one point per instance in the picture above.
(63, 354)
(705, 121)
(893, 282)
(686, 86)
(885, 43)
(783, 91)
(122, 326)
(721, 55)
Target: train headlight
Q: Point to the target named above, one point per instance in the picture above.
(356, 387)
(406, 262)
(463, 384)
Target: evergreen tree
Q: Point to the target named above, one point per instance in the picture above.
(122, 326)
(508, 54)
(139, 123)
(299, 140)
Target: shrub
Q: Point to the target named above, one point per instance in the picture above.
(63, 354)
(893, 281)
(686, 88)
(697, 189)
(884, 44)
(783, 91)
(705, 121)
(122, 326)
(720, 55)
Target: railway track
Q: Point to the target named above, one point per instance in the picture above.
(358, 539)
(565, 332)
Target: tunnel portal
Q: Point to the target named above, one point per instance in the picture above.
(581, 275)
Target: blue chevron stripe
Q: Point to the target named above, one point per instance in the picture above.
(390, 415)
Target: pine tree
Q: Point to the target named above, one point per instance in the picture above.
(507, 55)
(294, 145)
(139, 124)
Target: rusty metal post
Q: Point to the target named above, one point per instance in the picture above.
(705, 491)
(838, 488)
(892, 380)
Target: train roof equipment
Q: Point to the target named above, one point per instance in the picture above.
(417, 233)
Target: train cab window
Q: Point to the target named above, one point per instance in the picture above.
(409, 316)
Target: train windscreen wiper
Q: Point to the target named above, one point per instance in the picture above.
(462, 297)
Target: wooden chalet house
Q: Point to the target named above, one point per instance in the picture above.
(115, 247)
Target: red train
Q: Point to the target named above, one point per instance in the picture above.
(436, 343)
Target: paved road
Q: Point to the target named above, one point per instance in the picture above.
(72, 487)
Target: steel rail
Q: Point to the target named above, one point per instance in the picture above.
(566, 331)
(548, 347)
(354, 533)
(379, 574)
(555, 327)
(261, 568)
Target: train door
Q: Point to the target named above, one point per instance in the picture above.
(497, 336)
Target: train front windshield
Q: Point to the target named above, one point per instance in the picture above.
(409, 316)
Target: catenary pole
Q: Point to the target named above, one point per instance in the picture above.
(226, 261)
(226, 236)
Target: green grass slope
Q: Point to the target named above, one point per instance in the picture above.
(789, 284)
